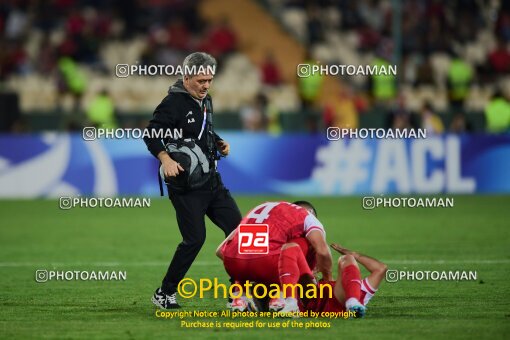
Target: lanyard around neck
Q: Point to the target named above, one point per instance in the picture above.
(203, 122)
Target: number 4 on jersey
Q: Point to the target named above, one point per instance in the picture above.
(261, 212)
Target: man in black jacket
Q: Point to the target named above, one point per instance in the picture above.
(188, 109)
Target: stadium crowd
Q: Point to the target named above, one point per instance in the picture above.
(454, 56)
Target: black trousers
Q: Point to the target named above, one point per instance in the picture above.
(191, 208)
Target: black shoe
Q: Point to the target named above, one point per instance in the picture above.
(165, 301)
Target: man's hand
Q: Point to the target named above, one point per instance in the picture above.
(223, 147)
(170, 167)
(342, 250)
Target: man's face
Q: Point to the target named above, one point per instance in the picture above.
(198, 85)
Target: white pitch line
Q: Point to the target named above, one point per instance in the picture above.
(218, 263)
(502, 261)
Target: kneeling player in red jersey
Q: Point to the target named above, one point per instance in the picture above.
(285, 222)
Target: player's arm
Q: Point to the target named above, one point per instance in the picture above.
(376, 268)
(323, 255)
(164, 118)
(229, 237)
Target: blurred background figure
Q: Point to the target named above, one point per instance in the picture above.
(270, 71)
(101, 111)
(459, 125)
(70, 81)
(384, 87)
(310, 85)
(499, 58)
(497, 114)
(401, 121)
(254, 116)
(314, 25)
(431, 121)
(220, 39)
(399, 118)
(460, 76)
(342, 112)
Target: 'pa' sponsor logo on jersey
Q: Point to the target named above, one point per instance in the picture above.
(253, 239)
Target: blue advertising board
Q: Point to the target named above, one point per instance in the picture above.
(56, 164)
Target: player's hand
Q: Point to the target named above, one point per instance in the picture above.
(223, 147)
(171, 168)
(341, 250)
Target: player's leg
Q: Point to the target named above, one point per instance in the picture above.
(307, 250)
(190, 219)
(370, 284)
(237, 268)
(223, 211)
(262, 270)
(376, 268)
(292, 266)
(348, 285)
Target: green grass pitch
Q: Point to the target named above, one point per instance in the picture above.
(36, 234)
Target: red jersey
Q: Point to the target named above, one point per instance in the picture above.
(286, 221)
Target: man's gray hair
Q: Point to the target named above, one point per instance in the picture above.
(199, 63)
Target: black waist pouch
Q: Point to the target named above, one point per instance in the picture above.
(190, 156)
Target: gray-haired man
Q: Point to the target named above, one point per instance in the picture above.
(188, 108)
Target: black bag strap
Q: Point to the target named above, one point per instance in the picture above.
(161, 193)
(213, 154)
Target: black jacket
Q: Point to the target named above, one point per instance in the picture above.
(179, 111)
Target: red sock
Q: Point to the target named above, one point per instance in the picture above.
(291, 266)
(351, 282)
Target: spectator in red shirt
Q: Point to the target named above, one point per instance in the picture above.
(221, 40)
(271, 75)
(75, 23)
(499, 58)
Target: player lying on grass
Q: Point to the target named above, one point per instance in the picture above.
(286, 222)
(350, 293)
